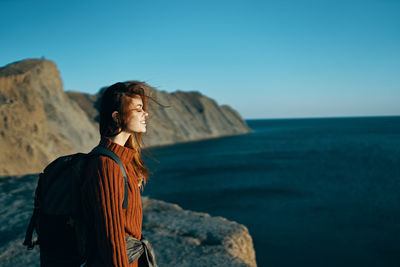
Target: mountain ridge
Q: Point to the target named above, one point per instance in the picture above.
(39, 121)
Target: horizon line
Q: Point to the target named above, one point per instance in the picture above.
(326, 117)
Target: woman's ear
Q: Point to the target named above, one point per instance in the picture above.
(115, 116)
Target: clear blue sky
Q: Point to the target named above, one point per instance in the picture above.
(266, 59)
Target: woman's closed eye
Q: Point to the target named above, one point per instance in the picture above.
(138, 109)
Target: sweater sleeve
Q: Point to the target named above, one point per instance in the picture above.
(105, 193)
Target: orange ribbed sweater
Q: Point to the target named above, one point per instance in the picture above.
(103, 194)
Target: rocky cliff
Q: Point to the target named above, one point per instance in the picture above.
(189, 116)
(179, 237)
(40, 122)
(195, 239)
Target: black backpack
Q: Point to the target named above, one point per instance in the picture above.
(58, 218)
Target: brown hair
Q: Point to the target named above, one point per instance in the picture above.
(116, 98)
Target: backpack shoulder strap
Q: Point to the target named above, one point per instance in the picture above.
(100, 150)
(28, 242)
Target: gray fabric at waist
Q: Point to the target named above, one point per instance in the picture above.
(135, 248)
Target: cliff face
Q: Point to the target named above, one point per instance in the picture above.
(40, 122)
(187, 238)
(189, 116)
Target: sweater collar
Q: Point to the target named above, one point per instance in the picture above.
(124, 153)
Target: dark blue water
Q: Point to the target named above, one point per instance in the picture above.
(312, 192)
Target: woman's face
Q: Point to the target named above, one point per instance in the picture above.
(137, 116)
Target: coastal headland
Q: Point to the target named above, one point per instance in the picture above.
(39, 122)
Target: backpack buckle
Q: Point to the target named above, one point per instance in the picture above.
(31, 244)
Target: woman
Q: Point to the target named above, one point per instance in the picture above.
(123, 114)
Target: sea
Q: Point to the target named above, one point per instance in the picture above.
(312, 192)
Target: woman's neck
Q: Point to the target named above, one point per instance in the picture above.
(120, 138)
